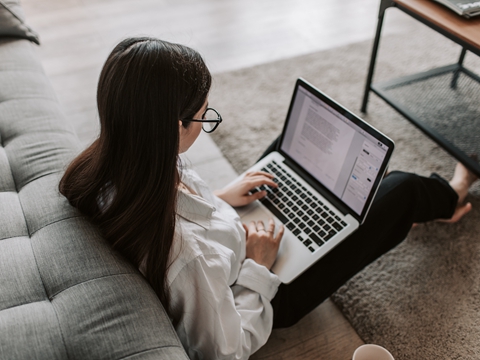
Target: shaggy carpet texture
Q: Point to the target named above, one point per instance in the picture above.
(422, 299)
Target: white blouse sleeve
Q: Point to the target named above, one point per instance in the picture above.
(216, 321)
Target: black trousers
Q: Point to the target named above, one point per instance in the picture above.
(402, 199)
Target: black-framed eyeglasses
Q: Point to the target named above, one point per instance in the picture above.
(211, 118)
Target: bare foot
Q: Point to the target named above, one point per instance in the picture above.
(461, 182)
(460, 211)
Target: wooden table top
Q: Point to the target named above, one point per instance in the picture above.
(467, 30)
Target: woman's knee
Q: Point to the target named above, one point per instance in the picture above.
(403, 178)
(400, 184)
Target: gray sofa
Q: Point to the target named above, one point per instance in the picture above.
(64, 294)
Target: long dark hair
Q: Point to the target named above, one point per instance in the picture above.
(127, 180)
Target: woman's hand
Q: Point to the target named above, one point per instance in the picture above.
(262, 245)
(238, 194)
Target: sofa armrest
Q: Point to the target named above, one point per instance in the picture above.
(12, 22)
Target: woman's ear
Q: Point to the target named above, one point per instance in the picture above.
(181, 128)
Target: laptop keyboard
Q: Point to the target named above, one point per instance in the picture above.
(306, 216)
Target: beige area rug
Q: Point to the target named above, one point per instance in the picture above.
(421, 300)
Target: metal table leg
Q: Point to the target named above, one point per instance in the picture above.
(453, 84)
(384, 5)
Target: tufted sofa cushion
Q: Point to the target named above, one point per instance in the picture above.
(64, 294)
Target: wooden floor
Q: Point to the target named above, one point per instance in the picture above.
(77, 36)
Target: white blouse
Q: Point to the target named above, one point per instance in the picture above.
(220, 301)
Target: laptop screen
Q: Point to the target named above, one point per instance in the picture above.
(335, 147)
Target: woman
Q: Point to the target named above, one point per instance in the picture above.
(210, 271)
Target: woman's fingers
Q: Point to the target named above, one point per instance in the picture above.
(271, 226)
(249, 198)
(262, 244)
(255, 181)
(280, 232)
(244, 195)
(260, 228)
(271, 230)
(252, 227)
(256, 173)
(260, 225)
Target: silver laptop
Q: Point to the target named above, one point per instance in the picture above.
(328, 165)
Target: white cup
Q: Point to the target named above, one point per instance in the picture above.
(372, 352)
